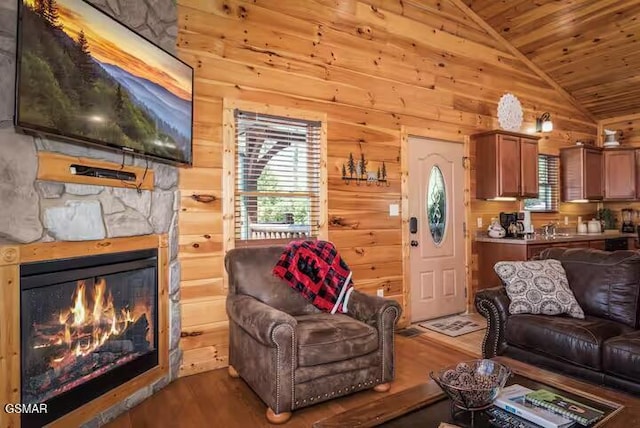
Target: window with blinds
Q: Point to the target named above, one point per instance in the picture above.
(277, 193)
(547, 200)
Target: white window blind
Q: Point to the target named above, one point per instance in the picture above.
(277, 193)
(548, 185)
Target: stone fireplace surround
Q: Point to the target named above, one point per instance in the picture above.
(44, 211)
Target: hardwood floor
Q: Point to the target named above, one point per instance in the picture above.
(214, 399)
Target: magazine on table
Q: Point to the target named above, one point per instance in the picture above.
(512, 399)
(571, 409)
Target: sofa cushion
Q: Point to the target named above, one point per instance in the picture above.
(326, 338)
(621, 356)
(569, 339)
(606, 284)
(538, 287)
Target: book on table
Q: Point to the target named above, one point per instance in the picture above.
(571, 409)
(512, 399)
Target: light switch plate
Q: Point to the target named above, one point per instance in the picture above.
(394, 210)
(380, 292)
(479, 222)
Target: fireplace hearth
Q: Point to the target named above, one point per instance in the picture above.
(88, 325)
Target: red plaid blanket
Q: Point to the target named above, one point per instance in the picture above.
(316, 270)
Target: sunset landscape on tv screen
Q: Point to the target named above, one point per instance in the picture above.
(83, 75)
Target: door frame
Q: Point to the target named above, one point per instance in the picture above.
(405, 133)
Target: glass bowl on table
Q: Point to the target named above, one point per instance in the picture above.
(472, 385)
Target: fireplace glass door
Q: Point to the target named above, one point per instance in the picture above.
(87, 326)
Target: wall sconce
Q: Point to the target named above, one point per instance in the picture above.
(543, 123)
(357, 171)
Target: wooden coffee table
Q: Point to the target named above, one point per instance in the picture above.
(420, 399)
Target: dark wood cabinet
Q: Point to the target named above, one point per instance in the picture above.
(528, 168)
(619, 174)
(581, 173)
(506, 165)
(489, 253)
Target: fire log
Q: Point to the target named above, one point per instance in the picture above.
(117, 346)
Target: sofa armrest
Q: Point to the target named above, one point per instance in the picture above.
(259, 320)
(493, 304)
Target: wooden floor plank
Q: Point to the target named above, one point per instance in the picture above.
(214, 399)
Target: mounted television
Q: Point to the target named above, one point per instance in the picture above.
(84, 77)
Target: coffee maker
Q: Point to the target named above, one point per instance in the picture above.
(627, 221)
(508, 219)
(524, 222)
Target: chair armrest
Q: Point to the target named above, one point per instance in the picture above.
(370, 309)
(382, 314)
(258, 319)
(493, 304)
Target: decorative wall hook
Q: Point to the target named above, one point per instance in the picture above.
(357, 171)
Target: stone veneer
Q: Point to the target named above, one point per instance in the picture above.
(33, 210)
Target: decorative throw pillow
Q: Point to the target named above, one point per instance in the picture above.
(538, 287)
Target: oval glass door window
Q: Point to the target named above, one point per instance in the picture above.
(436, 205)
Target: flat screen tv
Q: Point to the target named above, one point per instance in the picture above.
(85, 77)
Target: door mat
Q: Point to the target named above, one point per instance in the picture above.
(409, 332)
(455, 325)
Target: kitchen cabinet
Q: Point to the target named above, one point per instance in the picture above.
(581, 174)
(506, 165)
(489, 253)
(619, 174)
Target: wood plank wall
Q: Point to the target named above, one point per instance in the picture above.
(372, 66)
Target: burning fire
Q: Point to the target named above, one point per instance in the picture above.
(84, 328)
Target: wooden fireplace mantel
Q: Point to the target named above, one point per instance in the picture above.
(11, 257)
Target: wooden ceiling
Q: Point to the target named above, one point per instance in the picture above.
(589, 47)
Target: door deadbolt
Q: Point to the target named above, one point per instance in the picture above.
(413, 225)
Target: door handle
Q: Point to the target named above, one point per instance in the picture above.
(414, 243)
(413, 225)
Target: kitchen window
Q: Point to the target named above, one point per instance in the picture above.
(548, 186)
(278, 178)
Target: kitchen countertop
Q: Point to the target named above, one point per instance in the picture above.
(560, 237)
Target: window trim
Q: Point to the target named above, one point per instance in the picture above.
(229, 166)
(557, 202)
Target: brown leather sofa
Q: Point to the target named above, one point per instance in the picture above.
(291, 354)
(603, 348)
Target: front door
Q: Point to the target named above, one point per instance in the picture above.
(436, 210)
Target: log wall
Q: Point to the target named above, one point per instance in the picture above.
(373, 67)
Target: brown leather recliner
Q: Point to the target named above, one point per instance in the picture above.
(291, 354)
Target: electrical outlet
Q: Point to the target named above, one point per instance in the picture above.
(394, 210)
(479, 222)
(380, 292)
(566, 220)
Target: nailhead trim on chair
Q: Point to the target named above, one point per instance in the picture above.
(277, 365)
(346, 390)
(482, 308)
